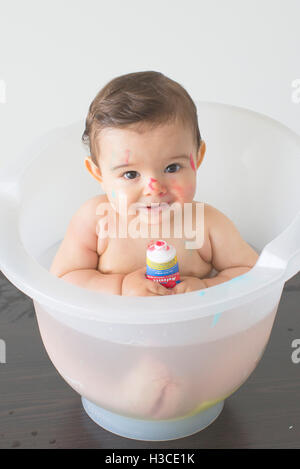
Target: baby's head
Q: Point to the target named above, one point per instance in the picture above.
(144, 140)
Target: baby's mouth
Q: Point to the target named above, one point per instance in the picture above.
(154, 206)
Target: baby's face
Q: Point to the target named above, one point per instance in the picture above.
(156, 166)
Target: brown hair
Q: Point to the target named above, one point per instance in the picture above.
(141, 97)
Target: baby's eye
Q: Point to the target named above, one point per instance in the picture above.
(172, 167)
(131, 174)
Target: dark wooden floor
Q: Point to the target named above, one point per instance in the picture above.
(38, 409)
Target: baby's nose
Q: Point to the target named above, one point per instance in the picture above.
(153, 186)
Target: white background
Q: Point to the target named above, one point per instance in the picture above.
(55, 55)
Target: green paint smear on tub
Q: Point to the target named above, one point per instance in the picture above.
(202, 407)
(207, 404)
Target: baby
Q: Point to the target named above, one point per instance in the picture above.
(146, 148)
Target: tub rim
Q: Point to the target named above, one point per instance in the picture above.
(50, 291)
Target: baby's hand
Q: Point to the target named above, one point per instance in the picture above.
(189, 284)
(136, 284)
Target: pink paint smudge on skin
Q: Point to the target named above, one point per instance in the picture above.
(192, 162)
(151, 183)
(127, 156)
(178, 189)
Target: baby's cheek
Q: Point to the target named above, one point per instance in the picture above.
(184, 191)
(190, 191)
(121, 200)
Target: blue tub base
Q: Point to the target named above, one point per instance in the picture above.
(151, 430)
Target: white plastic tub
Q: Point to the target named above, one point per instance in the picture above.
(158, 368)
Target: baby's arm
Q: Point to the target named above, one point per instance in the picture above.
(76, 260)
(231, 254)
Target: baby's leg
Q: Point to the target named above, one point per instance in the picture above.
(150, 391)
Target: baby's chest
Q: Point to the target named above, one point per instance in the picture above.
(127, 255)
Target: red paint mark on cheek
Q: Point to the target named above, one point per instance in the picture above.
(183, 192)
(179, 189)
(192, 162)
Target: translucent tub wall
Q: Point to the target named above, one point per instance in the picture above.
(151, 362)
(160, 371)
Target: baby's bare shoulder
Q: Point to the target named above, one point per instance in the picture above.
(219, 230)
(86, 217)
(78, 249)
(201, 214)
(229, 249)
(218, 224)
(88, 212)
(95, 201)
(217, 220)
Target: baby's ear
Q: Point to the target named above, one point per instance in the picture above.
(201, 153)
(93, 169)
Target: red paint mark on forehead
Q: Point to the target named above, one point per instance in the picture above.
(192, 162)
(127, 156)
